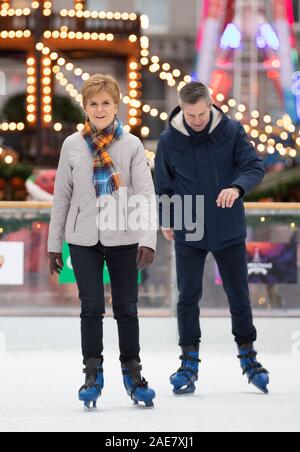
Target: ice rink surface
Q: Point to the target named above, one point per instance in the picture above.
(39, 382)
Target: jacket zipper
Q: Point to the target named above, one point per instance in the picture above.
(75, 223)
(216, 174)
(125, 219)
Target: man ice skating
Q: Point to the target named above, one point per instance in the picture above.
(203, 152)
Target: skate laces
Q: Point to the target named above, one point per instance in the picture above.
(252, 365)
(90, 373)
(140, 384)
(185, 364)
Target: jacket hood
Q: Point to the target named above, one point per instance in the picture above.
(177, 123)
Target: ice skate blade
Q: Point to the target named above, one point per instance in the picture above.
(186, 391)
(143, 405)
(261, 389)
(88, 408)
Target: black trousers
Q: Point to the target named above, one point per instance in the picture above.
(88, 264)
(232, 263)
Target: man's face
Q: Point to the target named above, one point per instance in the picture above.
(197, 115)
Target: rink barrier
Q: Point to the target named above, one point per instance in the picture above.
(158, 299)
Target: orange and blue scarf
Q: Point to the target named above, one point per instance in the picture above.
(106, 177)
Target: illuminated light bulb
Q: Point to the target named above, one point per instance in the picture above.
(239, 116)
(133, 66)
(269, 129)
(176, 73)
(61, 61)
(154, 112)
(232, 103)
(126, 100)
(31, 80)
(267, 119)
(57, 127)
(31, 118)
(254, 134)
(145, 132)
(133, 112)
(284, 136)
(261, 147)
(292, 128)
(133, 38)
(164, 116)
(8, 159)
(48, 118)
(220, 97)
(225, 108)
(263, 138)
(144, 42)
(133, 121)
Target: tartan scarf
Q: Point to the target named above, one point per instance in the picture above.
(106, 177)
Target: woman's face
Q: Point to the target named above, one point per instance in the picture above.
(101, 110)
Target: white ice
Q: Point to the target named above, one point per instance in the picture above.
(39, 381)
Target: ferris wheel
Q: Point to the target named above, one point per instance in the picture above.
(242, 43)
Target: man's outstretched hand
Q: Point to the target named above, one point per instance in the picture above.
(145, 257)
(227, 198)
(56, 263)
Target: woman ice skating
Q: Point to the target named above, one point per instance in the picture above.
(98, 164)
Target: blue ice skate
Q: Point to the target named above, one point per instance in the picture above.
(136, 386)
(257, 375)
(92, 389)
(185, 378)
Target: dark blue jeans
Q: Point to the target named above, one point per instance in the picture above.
(88, 264)
(232, 263)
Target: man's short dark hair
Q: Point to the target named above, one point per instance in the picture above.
(193, 92)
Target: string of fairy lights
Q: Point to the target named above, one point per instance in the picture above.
(267, 134)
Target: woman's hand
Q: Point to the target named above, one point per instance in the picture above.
(169, 234)
(145, 257)
(56, 263)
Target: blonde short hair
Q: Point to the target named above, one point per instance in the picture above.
(99, 82)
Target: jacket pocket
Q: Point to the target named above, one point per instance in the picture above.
(76, 218)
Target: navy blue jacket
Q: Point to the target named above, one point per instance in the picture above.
(226, 157)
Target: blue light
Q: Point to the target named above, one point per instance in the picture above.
(270, 36)
(231, 37)
(260, 42)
